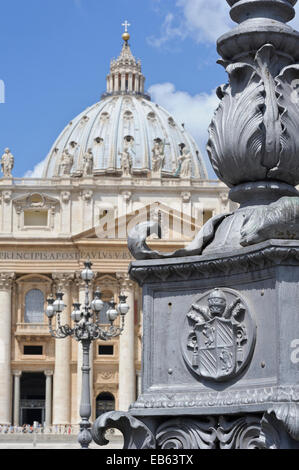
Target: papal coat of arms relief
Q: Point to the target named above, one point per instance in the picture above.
(219, 335)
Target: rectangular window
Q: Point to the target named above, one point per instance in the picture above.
(106, 350)
(35, 218)
(33, 350)
(207, 215)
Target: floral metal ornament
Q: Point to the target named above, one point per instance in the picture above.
(253, 134)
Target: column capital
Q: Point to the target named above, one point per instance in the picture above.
(6, 280)
(17, 373)
(63, 280)
(124, 281)
(48, 373)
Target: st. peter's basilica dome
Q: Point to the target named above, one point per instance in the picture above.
(124, 133)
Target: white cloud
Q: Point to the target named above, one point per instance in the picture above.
(169, 32)
(37, 170)
(203, 20)
(195, 111)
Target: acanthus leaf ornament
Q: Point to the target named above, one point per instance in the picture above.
(254, 125)
(287, 82)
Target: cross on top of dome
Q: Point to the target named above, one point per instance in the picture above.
(126, 24)
(126, 35)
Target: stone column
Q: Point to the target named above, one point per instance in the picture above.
(123, 82)
(116, 82)
(130, 84)
(136, 83)
(48, 417)
(142, 80)
(62, 371)
(17, 389)
(127, 376)
(6, 280)
(138, 374)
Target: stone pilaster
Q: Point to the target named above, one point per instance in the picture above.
(127, 377)
(17, 390)
(48, 416)
(6, 280)
(62, 371)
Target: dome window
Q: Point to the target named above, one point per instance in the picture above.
(129, 138)
(171, 122)
(98, 140)
(104, 116)
(151, 116)
(128, 115)
(84, 120)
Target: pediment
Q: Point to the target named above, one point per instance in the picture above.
(176, 225)
(35, 200)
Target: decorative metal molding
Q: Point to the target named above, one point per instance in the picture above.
(136, 434)
(243, 431)
(186, 433)
(266, 396)
(240, 433)
(261, 256)
(288, 414)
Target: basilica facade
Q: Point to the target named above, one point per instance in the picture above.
(123, 160)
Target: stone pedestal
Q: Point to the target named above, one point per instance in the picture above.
(220, 351)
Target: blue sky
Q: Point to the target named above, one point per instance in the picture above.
(55, 55)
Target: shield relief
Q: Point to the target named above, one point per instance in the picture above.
(216, 355)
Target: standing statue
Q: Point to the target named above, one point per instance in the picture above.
(185, 163)
(66, 163)
(88, 163)
(126, 159)
(158, 155)
(7, 163)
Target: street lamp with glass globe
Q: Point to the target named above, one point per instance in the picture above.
(86, 328)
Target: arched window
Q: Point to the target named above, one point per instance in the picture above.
(105, 402)
(34, 306)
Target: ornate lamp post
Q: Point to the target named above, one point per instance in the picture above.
(86, 329)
